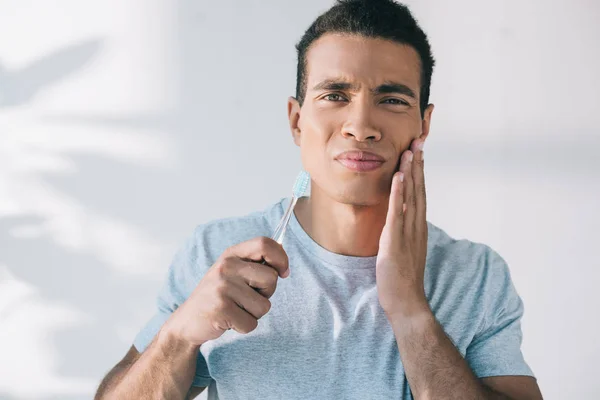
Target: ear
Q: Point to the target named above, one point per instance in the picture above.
(426, 123)
(293, 107)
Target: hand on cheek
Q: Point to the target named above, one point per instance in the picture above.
(403, 242)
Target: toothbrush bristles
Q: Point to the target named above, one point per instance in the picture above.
(301, 184)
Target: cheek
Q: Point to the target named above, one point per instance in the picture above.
(313, 151)
(400, 134)
(317, 131)
(321, 124)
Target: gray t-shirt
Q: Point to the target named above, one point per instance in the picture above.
(326, 336)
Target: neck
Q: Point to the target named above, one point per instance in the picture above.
(342, 228)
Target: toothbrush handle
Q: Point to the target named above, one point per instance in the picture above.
(281, 227)
(280, 230)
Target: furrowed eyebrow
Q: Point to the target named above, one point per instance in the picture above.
(394, 87)
(336, 84)
(386, 88)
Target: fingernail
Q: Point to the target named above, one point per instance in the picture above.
(286, 273)
(410, 157)
(401, 176)
(420, 145)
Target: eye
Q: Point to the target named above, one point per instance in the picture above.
(333, 97)
(395, 101)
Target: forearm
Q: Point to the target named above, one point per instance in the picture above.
(165, 370)
(434, 367)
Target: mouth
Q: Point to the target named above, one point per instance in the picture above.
(360, 161)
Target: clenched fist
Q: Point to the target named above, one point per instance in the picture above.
(233, 294)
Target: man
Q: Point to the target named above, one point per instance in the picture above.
(373, 302)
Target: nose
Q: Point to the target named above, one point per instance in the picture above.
(359, 124)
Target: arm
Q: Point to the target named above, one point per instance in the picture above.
(435, 369)
(223, 299)
(165, 370)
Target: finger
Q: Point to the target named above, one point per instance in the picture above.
(263, 248)
(240, 320)
(250, 300)
(409, 193)
(395, 215)
(419, 186)
(263, 278)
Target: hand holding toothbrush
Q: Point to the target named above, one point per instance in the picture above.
(233, 294)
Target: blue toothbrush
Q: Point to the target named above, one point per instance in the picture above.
(299, 189)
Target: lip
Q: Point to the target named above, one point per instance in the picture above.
(360, 161)
(359, 155)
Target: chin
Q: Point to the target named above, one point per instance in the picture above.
(350, 188)
(359, 194)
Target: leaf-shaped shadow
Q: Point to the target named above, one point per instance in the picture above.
(20, 86)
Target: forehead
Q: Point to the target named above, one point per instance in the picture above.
(370, 61)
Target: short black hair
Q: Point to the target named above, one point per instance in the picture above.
(385, 19)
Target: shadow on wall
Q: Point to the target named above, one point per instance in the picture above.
(71, 258)
(88, 225)
(19, 87)
(30, 310)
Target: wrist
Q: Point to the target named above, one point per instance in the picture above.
(415, 323)
(171, 339)
(416, 307)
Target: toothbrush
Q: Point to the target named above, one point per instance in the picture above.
(298, 191)
(300, 186)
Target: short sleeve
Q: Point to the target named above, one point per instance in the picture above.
(186, 270)
(496, 348)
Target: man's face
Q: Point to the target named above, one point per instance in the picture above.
(362, 94)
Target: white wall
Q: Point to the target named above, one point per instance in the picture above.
(123, 124)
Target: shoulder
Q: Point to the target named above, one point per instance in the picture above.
(471, 279)
(466, 260)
